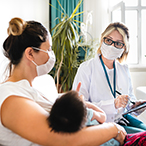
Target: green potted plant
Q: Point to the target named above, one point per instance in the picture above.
(65, 44)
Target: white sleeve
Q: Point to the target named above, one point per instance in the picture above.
(108, 106)
(83, 76)
(130, 90)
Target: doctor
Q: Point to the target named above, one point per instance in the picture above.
(106, 82)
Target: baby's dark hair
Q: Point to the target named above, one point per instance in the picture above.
(68, 113)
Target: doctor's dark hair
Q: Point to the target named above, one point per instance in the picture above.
(22, 34)
(123, 30)
(68, 113)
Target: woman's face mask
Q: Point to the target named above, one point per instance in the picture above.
(47, 67)
(111, 52)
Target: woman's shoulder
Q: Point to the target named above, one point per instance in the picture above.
(14, 86)
(90, 62)
(19, 88)
(125, 65)
(122, 66)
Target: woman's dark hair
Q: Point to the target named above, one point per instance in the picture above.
(22, 34)
(68, 113)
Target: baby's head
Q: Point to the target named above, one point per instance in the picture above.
(68, 113)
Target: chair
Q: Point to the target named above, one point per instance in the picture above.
(141, 94)
(46, 85)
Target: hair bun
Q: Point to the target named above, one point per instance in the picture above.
(16, 26)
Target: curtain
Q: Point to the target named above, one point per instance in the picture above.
(68, 6)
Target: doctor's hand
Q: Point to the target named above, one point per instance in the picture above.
(121, 101)
(137, 103)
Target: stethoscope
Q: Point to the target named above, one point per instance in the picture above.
(107, 78)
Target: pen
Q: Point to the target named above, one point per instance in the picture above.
(121, 94)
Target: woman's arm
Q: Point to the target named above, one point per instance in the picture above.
(28, 119)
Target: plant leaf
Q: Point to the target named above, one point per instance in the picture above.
(76, 8)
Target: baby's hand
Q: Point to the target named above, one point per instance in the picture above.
(98, 116)
(78, 87)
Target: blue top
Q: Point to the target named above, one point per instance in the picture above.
(111, 142)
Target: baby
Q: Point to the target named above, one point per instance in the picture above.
(70, 114)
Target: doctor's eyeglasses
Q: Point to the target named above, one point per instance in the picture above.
(117, 44)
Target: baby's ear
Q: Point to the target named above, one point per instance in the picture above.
(29, 53)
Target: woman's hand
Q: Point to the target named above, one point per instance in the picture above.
(121, 134)
(121, 101)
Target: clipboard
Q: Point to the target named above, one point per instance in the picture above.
(143, 105)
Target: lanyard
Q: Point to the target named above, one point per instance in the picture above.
(107, 78)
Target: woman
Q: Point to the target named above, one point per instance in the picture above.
(23, 121)
(106, 82)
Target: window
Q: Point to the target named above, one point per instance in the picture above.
(132, 13)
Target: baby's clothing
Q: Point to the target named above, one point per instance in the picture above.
(111, 142)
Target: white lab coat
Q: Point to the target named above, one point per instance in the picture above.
(94, 85)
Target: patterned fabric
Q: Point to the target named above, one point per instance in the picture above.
(137, 139)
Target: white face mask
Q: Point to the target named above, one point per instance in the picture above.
(47, 67)
(111, 52)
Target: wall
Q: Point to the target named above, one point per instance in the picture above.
(138, 78)
(100, 17)
(26, 9)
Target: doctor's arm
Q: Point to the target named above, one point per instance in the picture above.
(130, 90)
(133, 98)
